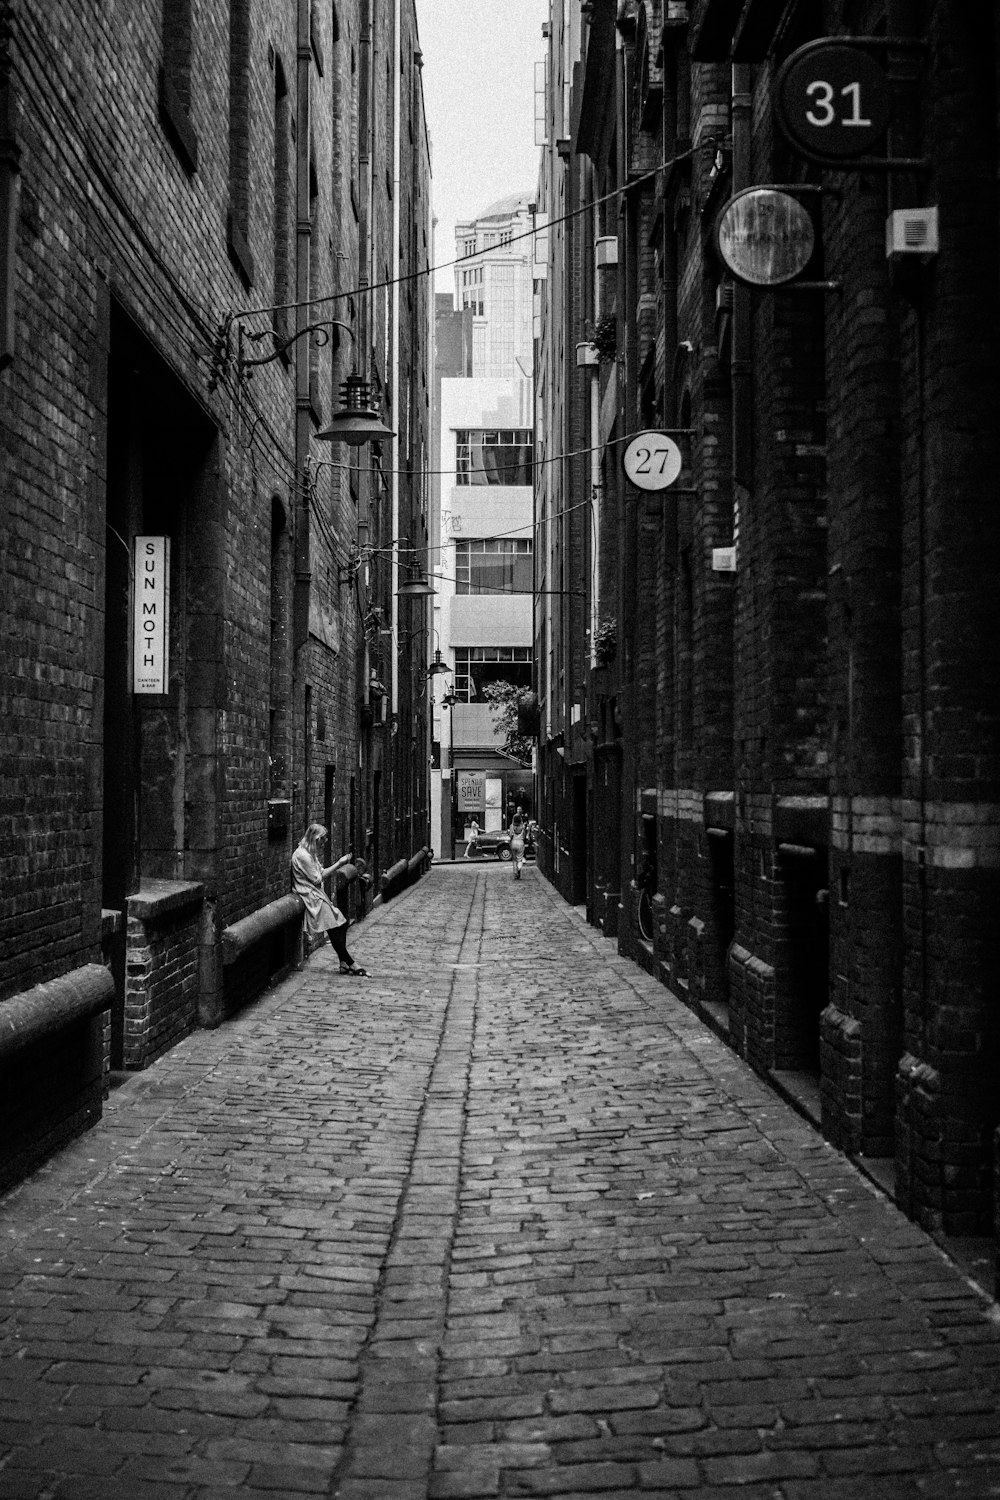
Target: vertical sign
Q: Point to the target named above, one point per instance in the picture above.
(151, 615)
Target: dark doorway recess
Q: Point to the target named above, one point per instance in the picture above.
(159, 447)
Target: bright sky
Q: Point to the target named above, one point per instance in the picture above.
(479, 89)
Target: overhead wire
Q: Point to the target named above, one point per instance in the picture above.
(33, 43)
(445, 265)
(330, 463)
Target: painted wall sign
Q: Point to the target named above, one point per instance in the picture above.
(765, 237)
(651, 461)
(151, 614)
(832, 99)
(471, 791)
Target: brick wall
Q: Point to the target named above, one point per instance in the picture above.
(162, 969)
(122, 412)
(949, 1105)
(821, 730)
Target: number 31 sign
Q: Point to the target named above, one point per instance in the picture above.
(651, 461)
(832, 100)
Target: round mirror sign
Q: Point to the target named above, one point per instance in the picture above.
(651, 461)
(832, 99)
(765, 237)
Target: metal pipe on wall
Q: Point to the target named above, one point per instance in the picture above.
(303, 426)
(393, 332)
(741, 361)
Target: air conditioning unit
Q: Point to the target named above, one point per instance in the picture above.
(911, 231)
(606, 251)
(723, 559)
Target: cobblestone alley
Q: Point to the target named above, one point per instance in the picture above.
(502, 1220)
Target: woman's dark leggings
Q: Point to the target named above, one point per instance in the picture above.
(338, 937)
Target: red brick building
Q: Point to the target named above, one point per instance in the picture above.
(183, 195)
(769, 758)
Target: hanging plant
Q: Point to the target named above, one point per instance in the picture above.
(605, 643)
(605, 339)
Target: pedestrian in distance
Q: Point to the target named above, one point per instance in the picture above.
(517, 832)
(472, 844)
(322, 915)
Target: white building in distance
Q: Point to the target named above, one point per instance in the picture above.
(484, 578)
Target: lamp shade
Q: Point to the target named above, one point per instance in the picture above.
(357, 421)
(356, 427)
(417, 587)
(438, 665)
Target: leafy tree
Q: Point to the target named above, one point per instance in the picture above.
(503, 700)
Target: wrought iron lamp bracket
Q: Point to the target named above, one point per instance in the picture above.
(320, 331)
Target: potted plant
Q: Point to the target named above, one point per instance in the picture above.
(605, 339)
(605, 643)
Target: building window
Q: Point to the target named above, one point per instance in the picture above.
(238, 226)
(278, 694)
(493, 566)
(175, 80)
(475, 666)
(283, 232)
(493, 456)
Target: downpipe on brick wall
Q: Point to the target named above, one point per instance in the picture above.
(901, 20)
(303, 230)
(741, 355)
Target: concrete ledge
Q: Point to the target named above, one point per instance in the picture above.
(719, 810)
(157, 899)
(404, 872)
(259, 924)
(802, 820)
(51, 1006)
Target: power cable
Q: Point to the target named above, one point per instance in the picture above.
(376, 286)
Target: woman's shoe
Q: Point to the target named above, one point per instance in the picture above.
(353, 969)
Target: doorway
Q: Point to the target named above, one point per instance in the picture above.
(158, 483)
(578, 881)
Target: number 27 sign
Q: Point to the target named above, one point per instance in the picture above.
(651, 461)
(832, 100)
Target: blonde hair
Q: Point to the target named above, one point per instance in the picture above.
(311, 838)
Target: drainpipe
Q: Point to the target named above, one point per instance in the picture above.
(626, 364)
(741, 363)
(362, 347)
(392, 293)
(302, 314)
(588, 190)
(595, 510)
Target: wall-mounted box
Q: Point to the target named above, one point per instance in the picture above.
(723, 559)
(279, 812)
(911, 231)
(606, 251)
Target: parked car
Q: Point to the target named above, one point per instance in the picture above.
(497, 843)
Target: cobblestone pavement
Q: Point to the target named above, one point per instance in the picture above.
(502, 1220)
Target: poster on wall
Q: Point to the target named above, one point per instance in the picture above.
(471, 791)
(151, 615)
